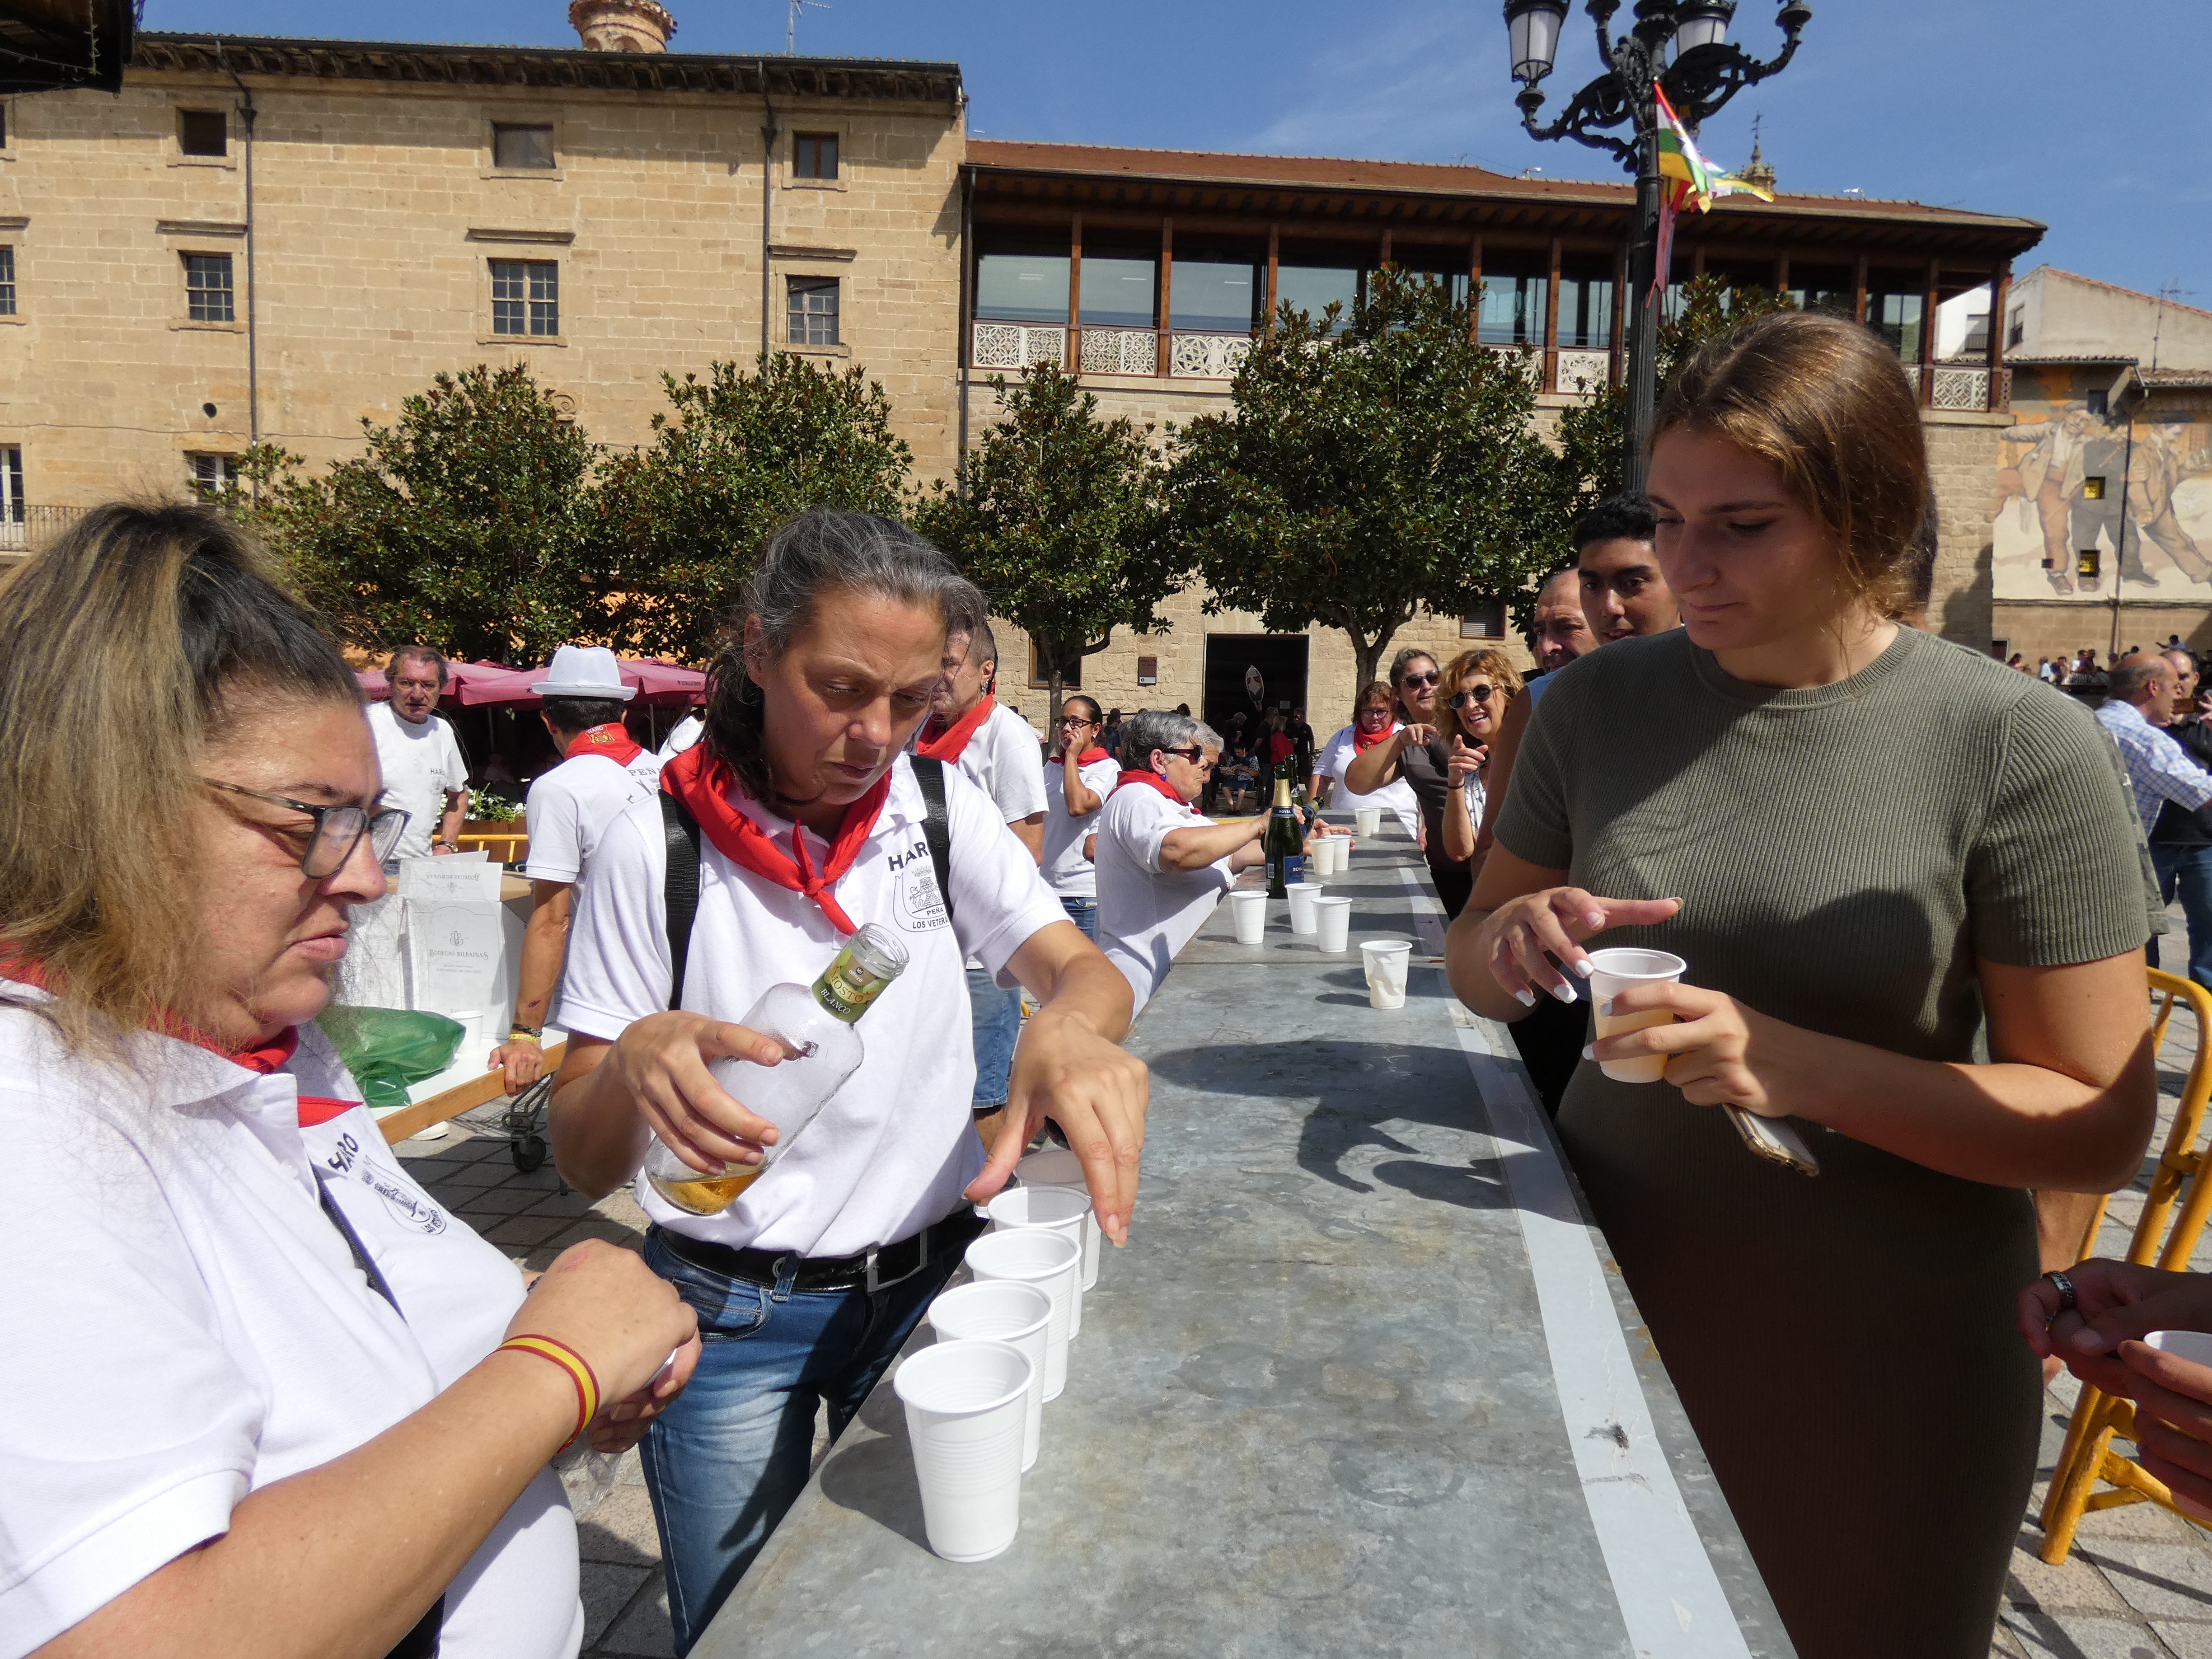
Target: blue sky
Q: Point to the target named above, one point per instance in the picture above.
(2089, 115)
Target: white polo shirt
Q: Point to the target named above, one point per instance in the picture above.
(421, 765)
(190, 1326)
(1002, 759)
(1147, 914)
(1066, 871)
(570, 807)
(1396, 797)
(892, 1152)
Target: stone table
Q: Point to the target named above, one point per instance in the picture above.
(1365, 1381)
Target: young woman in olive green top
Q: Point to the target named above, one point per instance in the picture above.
(1872, 848)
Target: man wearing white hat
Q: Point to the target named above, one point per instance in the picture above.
(603, 774)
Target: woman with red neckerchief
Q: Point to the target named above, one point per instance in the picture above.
(812, 823)
(1077, 781)
(1374, 722)
(270, 1396)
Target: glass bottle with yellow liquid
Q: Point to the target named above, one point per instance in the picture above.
(815, 1024)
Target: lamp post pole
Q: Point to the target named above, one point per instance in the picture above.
(1682, 46)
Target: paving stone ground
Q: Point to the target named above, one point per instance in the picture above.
(2137, 1585)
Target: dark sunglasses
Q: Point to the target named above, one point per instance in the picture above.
(1429, 679)
(338, 829)
(1195, 755)
(1472, 695)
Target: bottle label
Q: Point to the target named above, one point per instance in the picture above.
(847, 987)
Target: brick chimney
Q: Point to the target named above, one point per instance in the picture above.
(621, 25)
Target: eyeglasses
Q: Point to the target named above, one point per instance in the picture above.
(1472, 695)
(338, 829)
(1195, 755)
(1429, 679)
(1075, 720)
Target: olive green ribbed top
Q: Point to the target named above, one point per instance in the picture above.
(1845, 854)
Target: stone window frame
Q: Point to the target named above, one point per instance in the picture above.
(834, 286)
(226, 482)
(524, 115)
(14, 232)
(552, 247)
(181, 237)
(817, 263)
(174, 141)
(528, 271)
(787, 156)
(8, 125)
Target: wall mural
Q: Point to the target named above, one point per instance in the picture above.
(2058, 528)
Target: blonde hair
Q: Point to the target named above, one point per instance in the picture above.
(123, 647)
(1486, 660)
(1828, 405)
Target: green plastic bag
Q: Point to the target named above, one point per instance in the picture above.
(390, 1049)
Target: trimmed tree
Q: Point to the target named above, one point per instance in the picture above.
(465, 525)
(1364, 476)
(681, 520)
(1055, 522)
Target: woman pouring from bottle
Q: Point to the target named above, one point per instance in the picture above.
(815, 850)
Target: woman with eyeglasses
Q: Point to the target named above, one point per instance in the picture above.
(1374, 722)
(269, 1397)
(1077, 781)
(1419, 755)
(1481, 684)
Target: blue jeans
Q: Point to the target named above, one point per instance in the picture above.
(731, 1456)
(1083, 913)
(998, 1020)
(2187, 871)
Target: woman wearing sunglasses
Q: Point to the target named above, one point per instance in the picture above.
(1480, 684)
(1418, 754)
(271, 1399)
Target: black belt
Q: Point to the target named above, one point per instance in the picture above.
(872, 1270)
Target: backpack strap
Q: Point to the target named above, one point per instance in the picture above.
(936, 827)
(681, 889)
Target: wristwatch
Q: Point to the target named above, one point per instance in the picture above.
(533, 1033)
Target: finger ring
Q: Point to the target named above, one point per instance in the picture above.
(2065, 1288)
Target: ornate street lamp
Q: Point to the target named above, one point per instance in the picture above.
(1681, 45)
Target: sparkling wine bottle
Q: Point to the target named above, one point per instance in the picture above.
(815, 1025)
(1282, 842)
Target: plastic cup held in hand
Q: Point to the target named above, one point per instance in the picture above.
(1055, 1210)
(1055, 1166)
(1248, 909)
(1018, 1315)
(1303, 894)
(1323, 855)
(1340, 854)
(965, 1402)
(1386, 962)
(1051, 1261)
(1611, 972)
(1367, 821)
(1332, 924)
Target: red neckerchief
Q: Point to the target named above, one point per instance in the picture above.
(1151, 780)
(703, 785)
(612, 740)
(1361, 742)
(947, 744)
(1086, 758)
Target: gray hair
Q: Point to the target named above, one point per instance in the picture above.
(428, 654)
(2130, 679)
(819, 551)
(1149, 729)
(982, 643)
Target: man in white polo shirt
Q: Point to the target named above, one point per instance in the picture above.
(1162, 865)
(968, 727)
(602, 775)
(423, 772)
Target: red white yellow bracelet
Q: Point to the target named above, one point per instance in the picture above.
(578, 1369)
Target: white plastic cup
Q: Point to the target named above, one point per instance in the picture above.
(2195, 1346)
(1366, 821)
(964, 1409)
(1303, 894)
(1002, 1311)
(1051, 1261)
(1346, 846)
(1055, 1166)
(1054, 1210)
(1612, 971)
(1339, 850)
(1386, 962)
(1321, 857)
(1248, 909)
(1332, 924)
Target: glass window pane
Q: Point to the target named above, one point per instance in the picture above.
(1311, 288)
(1120, 293)
(1896, 319)
(1215, 294)
(521, 147)
(207, 287)
(509, 309)
(814, 155)
(811, 310)
(202, 132)
(1513, 309)
(1586, 311)
(1023, 287)
(7, 282)
(11, 484)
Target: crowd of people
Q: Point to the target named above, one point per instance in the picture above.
(1913, 889)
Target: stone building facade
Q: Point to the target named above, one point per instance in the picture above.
(275, 240)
